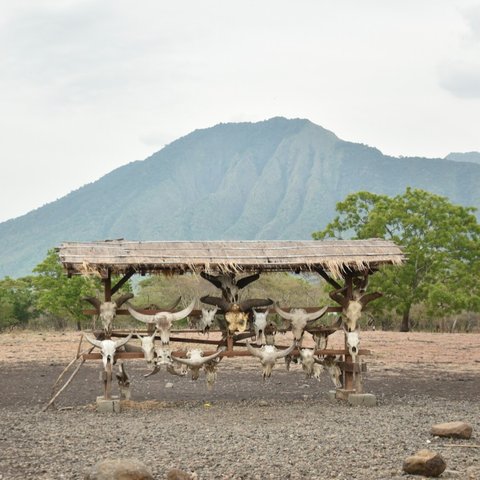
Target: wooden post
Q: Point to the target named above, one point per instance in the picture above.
(107, 286)
(229, 342)
(107, 382)
(348, 375)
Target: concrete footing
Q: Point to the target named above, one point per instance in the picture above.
(362, 399)
(343, 394)
(108, 406)
(331, 395)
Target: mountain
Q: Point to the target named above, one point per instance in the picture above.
(473, 157)
(276, 179)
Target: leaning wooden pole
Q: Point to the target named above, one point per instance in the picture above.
(65, 385)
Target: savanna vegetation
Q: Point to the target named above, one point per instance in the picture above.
(436, 289)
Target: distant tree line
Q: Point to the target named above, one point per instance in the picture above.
(437, 288)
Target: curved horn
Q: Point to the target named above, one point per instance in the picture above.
(140, 316)
(213, 356)
(175, 303)
(254, 351)
(316, 315)
(123, 341)
(196, 363)
(369, 297)
(243, 282)
(212, 279)
(283, 313)
(93, 341)
(122, 299)
(185, 361)
(219, 302)
(155, 370)
(94, 301)
(183, 313)
(339, 296)
(254, 302)
(288, 351)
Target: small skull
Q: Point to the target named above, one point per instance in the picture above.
(236, 319)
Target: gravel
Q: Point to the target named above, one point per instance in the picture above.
(261, 439)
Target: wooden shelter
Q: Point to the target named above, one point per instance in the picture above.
(340, 262)
(336, 257)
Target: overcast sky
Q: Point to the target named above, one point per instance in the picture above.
(88, 86)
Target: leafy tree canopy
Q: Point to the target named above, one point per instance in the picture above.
(59, 295)
(441, 241)
(17, 301)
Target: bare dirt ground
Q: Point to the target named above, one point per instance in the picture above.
(244, 428)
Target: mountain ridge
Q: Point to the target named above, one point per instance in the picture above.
(276, 179)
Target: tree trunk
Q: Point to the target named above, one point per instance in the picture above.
(405, 325)
(79, 325)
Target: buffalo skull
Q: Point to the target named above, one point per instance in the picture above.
(207, 318)
(148, 347)
(352, 340)
(268, 355)
(163, 320)
(108, 310)
(195, 360)
(108, 348)
(299, 319)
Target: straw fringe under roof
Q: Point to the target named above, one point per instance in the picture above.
(333, 256)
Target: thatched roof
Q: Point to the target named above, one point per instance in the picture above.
(333, 256)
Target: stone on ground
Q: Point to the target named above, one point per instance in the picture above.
(362, 399)
(426, 463)
(452, 429)
(176, 474)
(119, 469)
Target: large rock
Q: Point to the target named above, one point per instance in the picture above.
(426, 463)
(452, 429)
(119, 469)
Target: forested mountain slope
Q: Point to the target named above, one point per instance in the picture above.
(276, 179)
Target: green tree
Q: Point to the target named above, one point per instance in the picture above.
(441, 241)
(59, 295)
(17, 301)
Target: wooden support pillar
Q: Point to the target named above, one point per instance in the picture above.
(348, 374)
(107, 286)
(107, 382)
(229, 342)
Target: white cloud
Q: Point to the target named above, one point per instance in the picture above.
(87, 86)
(460, 75)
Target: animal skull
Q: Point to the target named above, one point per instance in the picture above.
(270, 332)
(107, 348)
(148, 347)
(352, 313)
(259, 324)
(195, 360)
(163, 320)
(163, 356)
(321, 340)
(268, 355)
(108, 310)
(330, 364)
(299, 318)
(207, 319)
(211, 372)
(352, 339)
(308, 361)
(236, 319)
